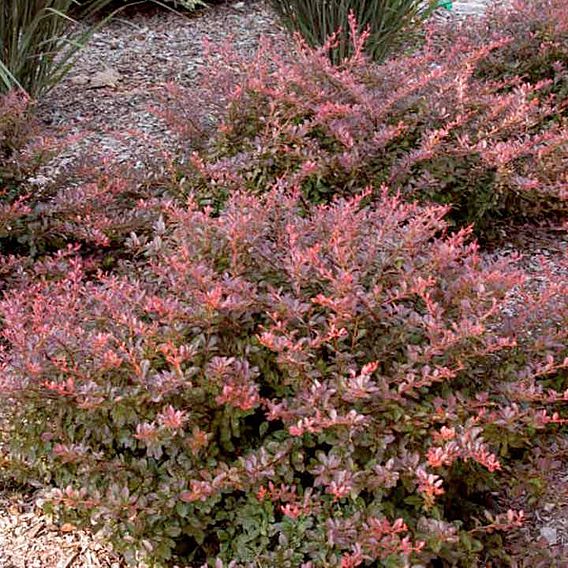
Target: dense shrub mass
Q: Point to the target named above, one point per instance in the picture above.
(96, 207)
(306, 362)
(92, 204)
(20, 157)
(478, 122)
(539, 51)
(333, 387)
(16, 128)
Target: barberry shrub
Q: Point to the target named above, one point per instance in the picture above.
(283, 385)
(17, 127)
(95, 205)
(91, 203)
(539, 51)
(452, 123)
(21, 156)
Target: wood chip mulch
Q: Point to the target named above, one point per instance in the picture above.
(30, 539)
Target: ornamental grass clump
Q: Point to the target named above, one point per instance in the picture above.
(452, 123)
(388, 23)
(36, 46)
(283, 384)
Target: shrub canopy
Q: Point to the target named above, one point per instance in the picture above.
(279, 385)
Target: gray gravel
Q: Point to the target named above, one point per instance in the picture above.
(106, 98)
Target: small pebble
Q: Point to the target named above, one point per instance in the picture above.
(549, 534)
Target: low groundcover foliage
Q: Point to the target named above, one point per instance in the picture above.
(279, 386)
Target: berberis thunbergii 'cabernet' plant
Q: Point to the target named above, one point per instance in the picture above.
(282, 386)
(92, 204)
(311, 372)
(475, 119)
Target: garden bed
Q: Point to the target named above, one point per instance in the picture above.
(103, 109)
